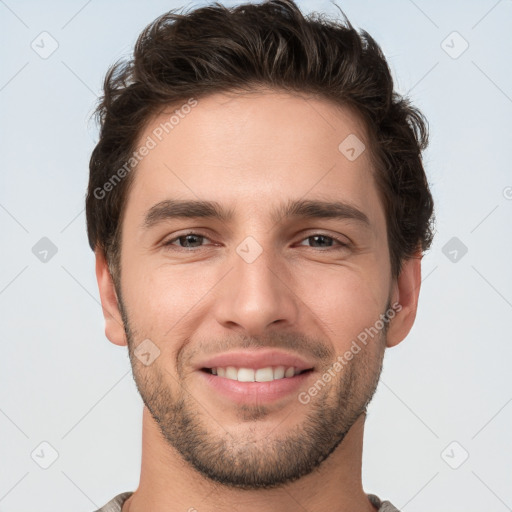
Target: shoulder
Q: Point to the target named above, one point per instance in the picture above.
(382, 506)
(115, 504)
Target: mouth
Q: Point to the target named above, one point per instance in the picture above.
(255, 386)
(266, 374)
(254, 376)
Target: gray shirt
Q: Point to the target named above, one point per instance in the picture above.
(115, 504)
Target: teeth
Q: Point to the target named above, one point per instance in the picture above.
(246, 375)
(289, 372)
(262, 374)
(279, 372)
(231, 373)
(266, 374)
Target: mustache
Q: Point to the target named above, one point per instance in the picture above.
(293, 342)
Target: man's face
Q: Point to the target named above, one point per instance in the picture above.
(254, 282)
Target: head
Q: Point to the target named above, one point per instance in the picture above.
(271, 122)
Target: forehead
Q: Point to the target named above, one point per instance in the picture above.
(253, 151)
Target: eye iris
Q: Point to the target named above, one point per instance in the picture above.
(324, 237)
(181, 238)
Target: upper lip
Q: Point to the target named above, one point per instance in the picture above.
(255, 359)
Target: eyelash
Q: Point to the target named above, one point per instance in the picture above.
(170, 243)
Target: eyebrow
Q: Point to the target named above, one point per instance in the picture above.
(296, 209)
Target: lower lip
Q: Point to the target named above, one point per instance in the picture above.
(255, 392)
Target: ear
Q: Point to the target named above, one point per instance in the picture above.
(405, 294)
(114, 329)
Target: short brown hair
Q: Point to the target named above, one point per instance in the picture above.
(217, 49)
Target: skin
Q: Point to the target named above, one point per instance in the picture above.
(249, 153)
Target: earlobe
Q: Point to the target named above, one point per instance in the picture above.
(405, 295)
(114, 329)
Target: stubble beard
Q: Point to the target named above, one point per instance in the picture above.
(240, 458)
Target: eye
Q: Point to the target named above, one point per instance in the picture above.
(322, 238)
(192, 240)
(188, 238)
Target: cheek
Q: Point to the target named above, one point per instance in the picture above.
(160, 299)
(346, 301)
(165, 301)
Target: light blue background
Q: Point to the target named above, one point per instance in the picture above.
(64, 383)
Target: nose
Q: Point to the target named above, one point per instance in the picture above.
(257, 295)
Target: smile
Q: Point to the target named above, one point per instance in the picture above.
(266, 374)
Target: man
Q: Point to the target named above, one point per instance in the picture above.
(258, 209)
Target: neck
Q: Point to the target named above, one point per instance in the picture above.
(169, 483)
